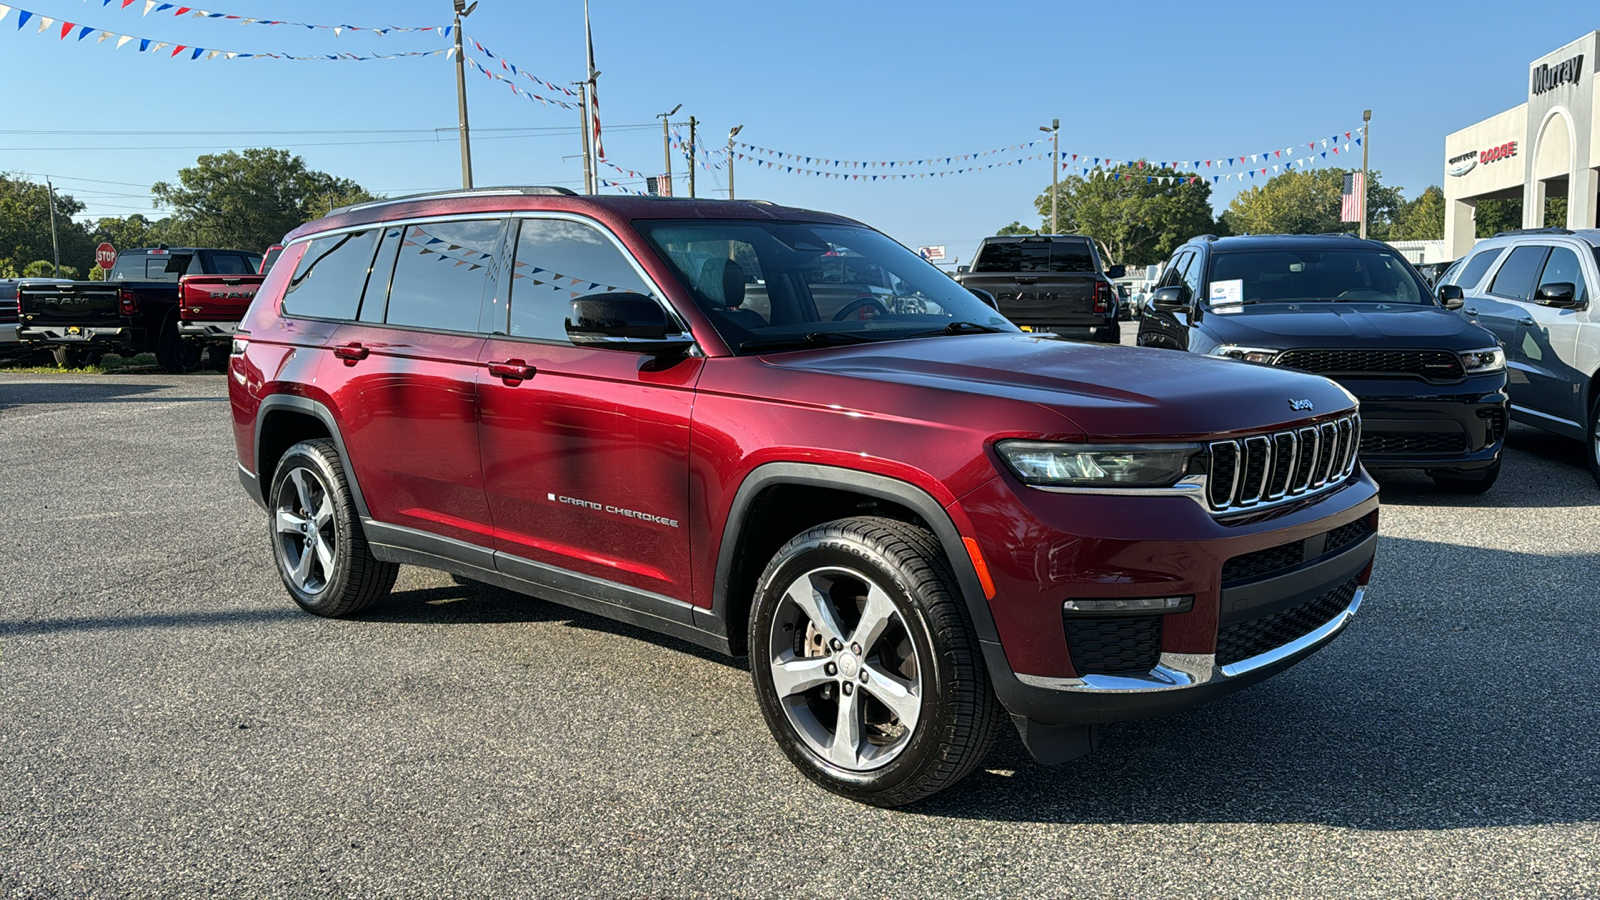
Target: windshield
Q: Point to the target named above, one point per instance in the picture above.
(1288, 275)
(770, 286)
(1041, 254)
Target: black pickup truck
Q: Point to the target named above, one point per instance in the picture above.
(1048, 282)
(173, 301)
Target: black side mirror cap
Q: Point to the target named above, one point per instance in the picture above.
(1450, 296)
(962, 270)
(987, 298)
(1559, 294)
(1170, 299)
(623, 320)
(1116, 271)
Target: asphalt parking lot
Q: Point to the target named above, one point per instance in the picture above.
(172, 725)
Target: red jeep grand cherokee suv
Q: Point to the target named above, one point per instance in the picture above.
(914, 518)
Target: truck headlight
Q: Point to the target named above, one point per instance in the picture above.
(1248, 354)
(1100, 465)
(1478, 362)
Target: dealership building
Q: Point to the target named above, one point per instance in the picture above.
(1547, 147)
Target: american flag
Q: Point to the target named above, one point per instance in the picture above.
(1355, 188)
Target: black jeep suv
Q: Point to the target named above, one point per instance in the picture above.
(1432, 385)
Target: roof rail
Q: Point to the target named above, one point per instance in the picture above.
(530, 191)
(1533, 231)
(1206, 237)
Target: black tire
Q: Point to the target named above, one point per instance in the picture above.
(1594, 439)
(71, 357)
(1476, 482)
(1109, 334)
(957, 714)
(175, 354)
(357, 579)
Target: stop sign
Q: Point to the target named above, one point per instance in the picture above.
(105, 256)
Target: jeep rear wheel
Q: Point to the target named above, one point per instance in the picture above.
(865, 663)
(317, 541)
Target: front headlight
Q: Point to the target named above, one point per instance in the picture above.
(1100, 465)
(1478, 362)
(1248, 354)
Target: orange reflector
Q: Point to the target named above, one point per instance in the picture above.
(982, 567)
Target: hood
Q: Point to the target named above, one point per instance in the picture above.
(1105, 391)
(1369, 326)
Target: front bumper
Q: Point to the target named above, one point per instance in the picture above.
(209, 332)
(1406, 424)
(1257, 608)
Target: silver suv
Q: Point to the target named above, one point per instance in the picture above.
(1534, 289)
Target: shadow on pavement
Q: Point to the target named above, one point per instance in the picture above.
(148, 620)
(19, 393)
(1470, 706)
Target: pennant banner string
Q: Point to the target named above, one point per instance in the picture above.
(152, 6)
(79, 32)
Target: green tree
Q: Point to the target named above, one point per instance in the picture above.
(1138, 212)
(1421, 219)
(1496, 215)
(1307, 202)
(250, 200)
(1016, 228)
(44, 268)
(25, 227)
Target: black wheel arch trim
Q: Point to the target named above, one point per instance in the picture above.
(882, 487)
(304, 405)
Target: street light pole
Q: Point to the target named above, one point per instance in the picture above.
(666, 149)
(731, 132)
(55, 248)
(1366, 145)
(1055, 169)
(462, 9)
(691, 154)
(583, 112)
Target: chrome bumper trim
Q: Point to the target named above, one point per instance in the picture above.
(1177, 671)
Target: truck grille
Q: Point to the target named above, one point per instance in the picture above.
(1114, 646)
(1436, 365)
(1406, 442)
(1247, 472)
(1253, 637)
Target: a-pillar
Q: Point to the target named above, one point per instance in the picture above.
(1460, 227)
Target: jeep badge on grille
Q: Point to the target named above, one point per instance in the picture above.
(1300, 405)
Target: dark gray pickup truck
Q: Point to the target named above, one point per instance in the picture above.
(1048, 282)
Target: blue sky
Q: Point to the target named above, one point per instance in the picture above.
(856, 80)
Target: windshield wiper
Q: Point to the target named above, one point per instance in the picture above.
(962, 328)
(814, 339)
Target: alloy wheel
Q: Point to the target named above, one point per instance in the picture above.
(307, 538)
(845, 669)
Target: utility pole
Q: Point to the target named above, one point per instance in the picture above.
(731, 132)
(1055, 169)
(1366, 145)
(55, 248)
(588, 166)
(691, 154)
(462, 9)
(666, 150)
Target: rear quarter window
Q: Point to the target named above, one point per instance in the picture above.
(327, 283)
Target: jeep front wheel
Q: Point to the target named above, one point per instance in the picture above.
(317, 541)
(865, 663)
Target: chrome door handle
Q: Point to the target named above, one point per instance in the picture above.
(351, 352)
(1525, 321)
(512, 371)
(1470, 311)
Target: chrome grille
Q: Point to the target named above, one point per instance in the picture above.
(1246, 472)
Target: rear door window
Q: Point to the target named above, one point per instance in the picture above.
(328, 281)
(1468, 276)
(1514, 281)
(441, 273)
(1563, 267)
(557, 262)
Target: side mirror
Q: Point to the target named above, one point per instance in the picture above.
(623, 321)
(962, 270)
(1116, 271)
(1170, 299)
(1450, 296)
(987, 298)
(1560, 294)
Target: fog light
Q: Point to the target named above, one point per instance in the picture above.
(1128, 606)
